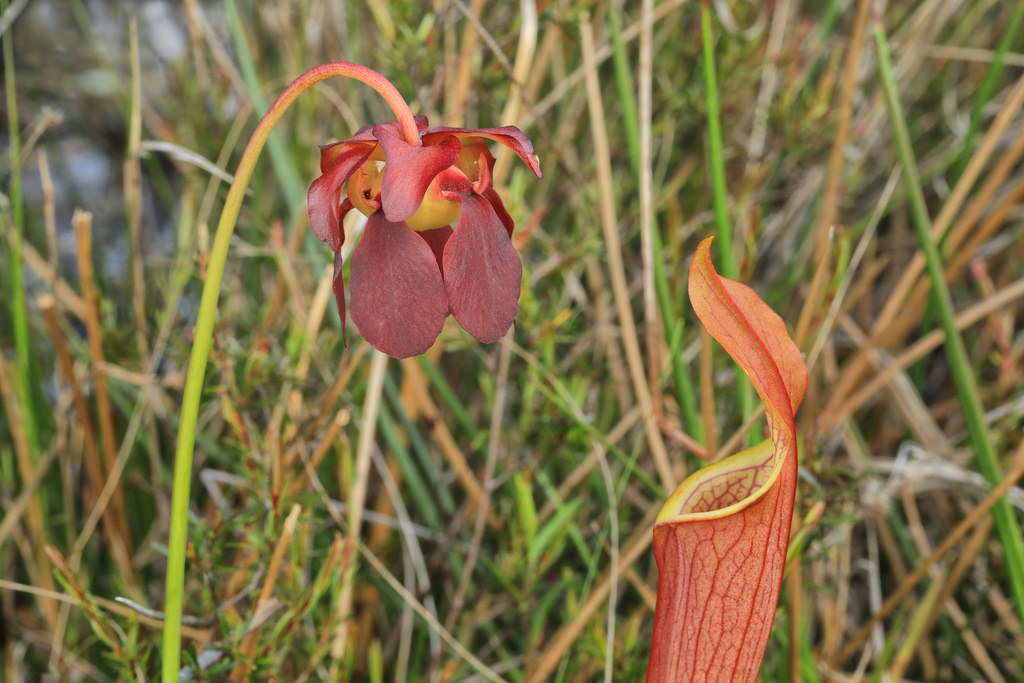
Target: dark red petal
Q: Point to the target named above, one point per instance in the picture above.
(346, 206)
(323, 195)
(338, 285)
(485, 163)
(421, 125)
(436, 239)
(499, 209)
(393, 127)
(409, 169)
(329, 152)
(398, 296)
(510, 136)
(482, 271)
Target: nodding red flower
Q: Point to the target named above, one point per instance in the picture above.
(411, 269)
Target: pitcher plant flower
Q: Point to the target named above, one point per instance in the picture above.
(411, 269)
(412, 183)
(720, 541)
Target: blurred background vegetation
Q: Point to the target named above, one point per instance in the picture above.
(509, 510)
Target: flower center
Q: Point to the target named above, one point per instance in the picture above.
(436, 210)
(440, 205)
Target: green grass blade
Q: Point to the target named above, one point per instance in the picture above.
(19, 305)
(294, 189)
(672, 323)
(716, 158)
(963, 374)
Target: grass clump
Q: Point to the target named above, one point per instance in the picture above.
(506, 521)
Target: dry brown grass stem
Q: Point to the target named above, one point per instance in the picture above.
(69, 299)
(82, 222)
(830, 199)
(90, 449)
(620, 287)
(965, 239)
(839, 300)
(84, 600)
(221, 57)
(964, 228)
(768, 84)
(961, 192)
(736, 441)
(905, 397)
(841, 562)
(974, 239)
(896, 597)
(49, 118)
(198, 62)
(286, 271)
(652, 332)
(37, 566)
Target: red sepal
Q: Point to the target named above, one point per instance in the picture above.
(510, 136)
(482, 271)
(398, 296)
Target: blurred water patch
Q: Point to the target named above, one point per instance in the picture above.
(73, 71)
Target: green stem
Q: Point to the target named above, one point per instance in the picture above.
(718, 186)
(716, 159)
(963, 374)
(204, 329)
(283, 165)
(19, 306)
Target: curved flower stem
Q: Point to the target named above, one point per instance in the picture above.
(171, 645)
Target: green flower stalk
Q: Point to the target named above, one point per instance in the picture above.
(410, 271)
